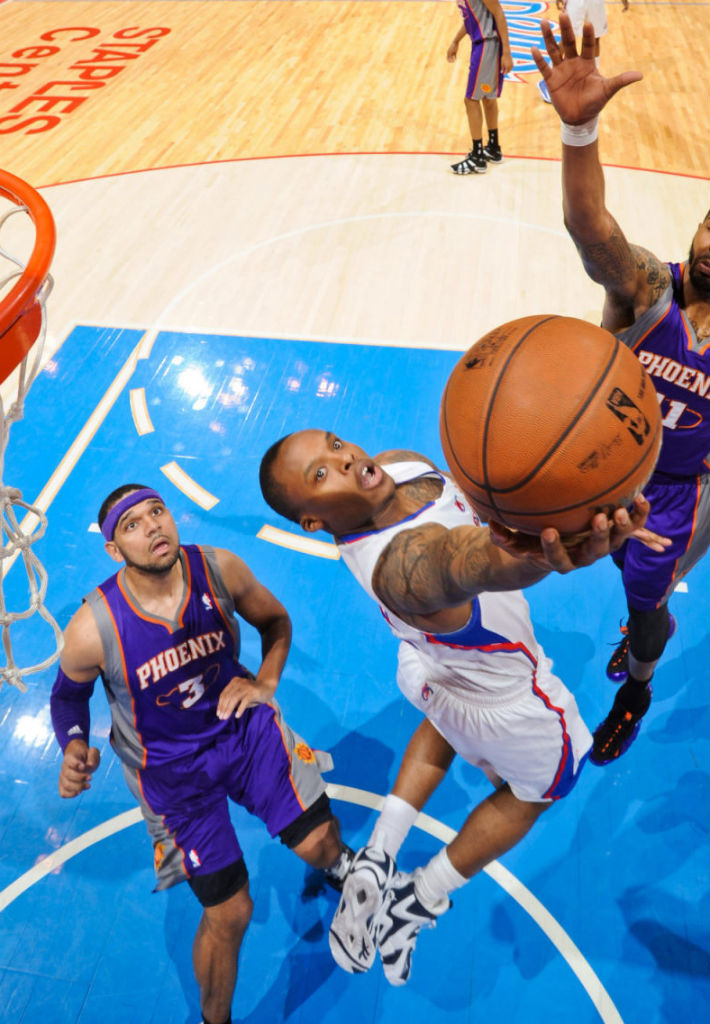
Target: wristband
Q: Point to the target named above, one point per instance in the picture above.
(69, 708)
(580, 134)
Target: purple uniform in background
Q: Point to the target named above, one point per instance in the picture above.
(163, 681)
(679, 490)
(485, 77)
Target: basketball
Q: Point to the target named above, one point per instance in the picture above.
(548, 420)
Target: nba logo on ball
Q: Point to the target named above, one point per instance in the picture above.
(548, 420)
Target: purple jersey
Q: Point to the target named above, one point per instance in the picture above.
(666, 344)
(163, 679)
(478, 20)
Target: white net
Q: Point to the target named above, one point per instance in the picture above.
(21, 523)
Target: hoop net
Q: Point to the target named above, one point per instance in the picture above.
(25, 284)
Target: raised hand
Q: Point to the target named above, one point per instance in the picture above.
(554, 553)
(577, 90)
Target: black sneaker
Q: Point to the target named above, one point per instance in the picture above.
(618, 730)
(474, 163)
(336, 875)
(493, 154)
(618, 667)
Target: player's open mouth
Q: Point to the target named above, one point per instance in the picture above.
(369, 475)
(160, 546)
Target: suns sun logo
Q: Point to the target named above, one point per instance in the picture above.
(304, 753)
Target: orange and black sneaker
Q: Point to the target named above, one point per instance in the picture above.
(619, 729)
(618, 667)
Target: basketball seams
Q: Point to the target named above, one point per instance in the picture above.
(487, 486)
(538, 512)
(479, 416)
(559, 441)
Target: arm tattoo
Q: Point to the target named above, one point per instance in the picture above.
(633, 275)
(609, 263)
(656, 275)
(428, 568)
(409, 575)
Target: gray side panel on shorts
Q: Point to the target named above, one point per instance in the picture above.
(306, 764)
(701, 534)
(167, 857)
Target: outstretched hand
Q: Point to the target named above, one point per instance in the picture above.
(555, 553)
(577, 90)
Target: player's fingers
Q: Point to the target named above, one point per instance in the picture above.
(549, 40)
(588, 41)
(242, 705)
(93, 758)
(227, 702)
(568, 44)
(542, 66)
(652, 540)
(556, 554)
(639, 511)
(620, 81)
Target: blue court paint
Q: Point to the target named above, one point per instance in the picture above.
(622, 864)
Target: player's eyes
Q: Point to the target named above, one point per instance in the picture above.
(320, 474)
(337, 444)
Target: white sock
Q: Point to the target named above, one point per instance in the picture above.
(393, 824)
(437, 879)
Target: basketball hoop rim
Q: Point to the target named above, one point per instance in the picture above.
(22, 295)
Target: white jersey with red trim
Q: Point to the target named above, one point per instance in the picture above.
(496, 653)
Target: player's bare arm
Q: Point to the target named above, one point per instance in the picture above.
(257, 606)
(633, 278)
(429, 569)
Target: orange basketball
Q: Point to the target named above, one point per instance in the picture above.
(547, 420)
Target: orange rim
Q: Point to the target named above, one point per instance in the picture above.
(20, 310)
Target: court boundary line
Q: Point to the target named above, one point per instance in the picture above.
(348, 153)
(504, 878)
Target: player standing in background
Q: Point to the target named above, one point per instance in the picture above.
(661, 311)
(191, 725)
(579, 11)
(491, 60)
(468, 661)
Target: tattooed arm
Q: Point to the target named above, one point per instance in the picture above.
(428, 574)
(632, 277)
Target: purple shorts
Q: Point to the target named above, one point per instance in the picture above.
(485, 77)
(259, 763)
(680, 509)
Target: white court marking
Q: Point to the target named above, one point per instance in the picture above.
(363, 798)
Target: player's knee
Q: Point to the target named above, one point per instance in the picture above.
(226, 922)
(648, 632)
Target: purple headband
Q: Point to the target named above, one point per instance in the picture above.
(111, 521)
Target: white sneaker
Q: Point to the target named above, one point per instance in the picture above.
(351, 936)
(399, 923)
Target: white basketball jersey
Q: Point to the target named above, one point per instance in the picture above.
(496, 651)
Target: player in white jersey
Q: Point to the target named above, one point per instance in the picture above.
(468, 660)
